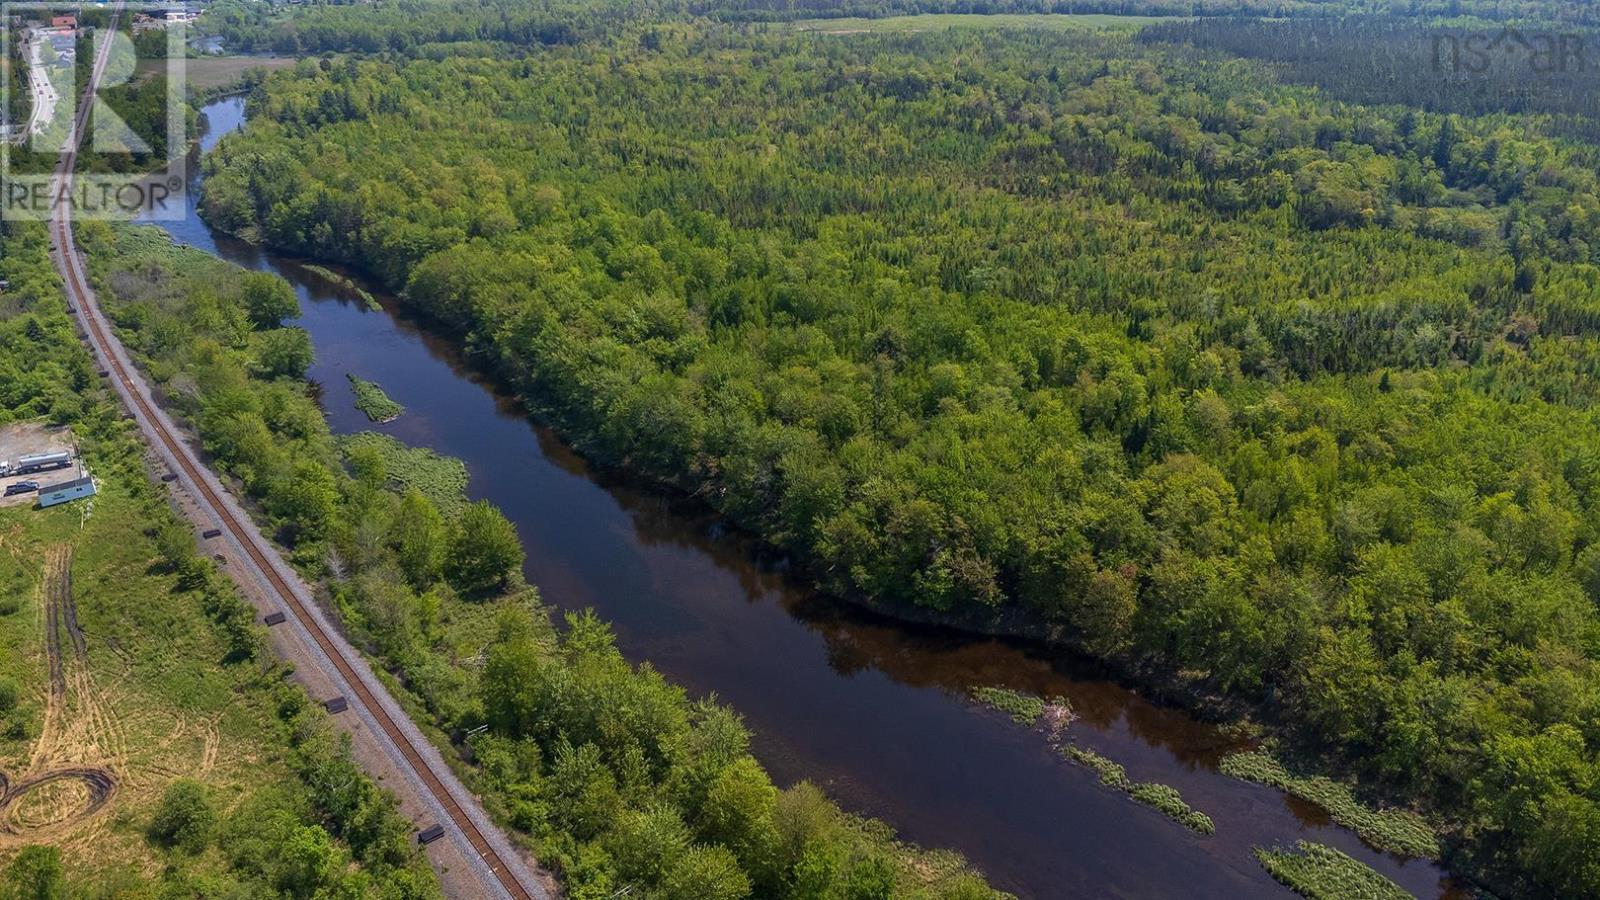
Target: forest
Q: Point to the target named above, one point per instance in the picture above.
(1129, 344)
(1459, 68)
(456, 27)
(617, 779)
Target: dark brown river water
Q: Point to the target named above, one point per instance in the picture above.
(874, 711)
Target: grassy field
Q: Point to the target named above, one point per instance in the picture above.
(939, 21)
(210, 73)
(148, 701)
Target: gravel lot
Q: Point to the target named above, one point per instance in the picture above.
(25, 439)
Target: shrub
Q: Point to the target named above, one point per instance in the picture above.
(485, 551)
(185, 819)
(36, 874)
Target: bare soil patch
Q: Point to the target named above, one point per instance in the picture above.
(20, 439)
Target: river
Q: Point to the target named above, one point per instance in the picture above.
(874, 711)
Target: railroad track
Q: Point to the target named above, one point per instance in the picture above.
(507, 876)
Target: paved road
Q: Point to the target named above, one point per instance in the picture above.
(478, 860)
(39, 86)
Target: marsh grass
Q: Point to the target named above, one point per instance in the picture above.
(1394, 830)
(1024, 709)
(371, 400)
(442, 479)
(150, 244)
(1164, 798)
(1028, 709)
(1323, 873)
(346, 283)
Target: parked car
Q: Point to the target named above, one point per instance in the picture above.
(22, 487)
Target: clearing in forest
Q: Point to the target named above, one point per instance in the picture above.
(97, 746)
(940, 21)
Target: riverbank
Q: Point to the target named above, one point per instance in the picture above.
(578, 751)
(876, 711)
(678, 502)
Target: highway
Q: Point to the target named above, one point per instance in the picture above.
(43, 93)
(493, 868)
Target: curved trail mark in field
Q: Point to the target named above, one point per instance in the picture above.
(100, 784)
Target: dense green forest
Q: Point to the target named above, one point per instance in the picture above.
(1127, 344)
(286, 812)
(439, 27)
(1492, 10)
(1455, 69)
(617, 779)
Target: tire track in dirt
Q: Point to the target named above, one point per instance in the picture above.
(99, 783)
(69, 608)
(83, 736)
(53, 586)
(55, 696)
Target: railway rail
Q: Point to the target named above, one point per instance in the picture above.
(507, 876)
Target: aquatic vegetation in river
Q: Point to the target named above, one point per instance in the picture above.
(442, 479)
(1323, 873)
(1158, 796)
(1025, 709)
(1394, 830)
(371, 400)
(348, 284)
